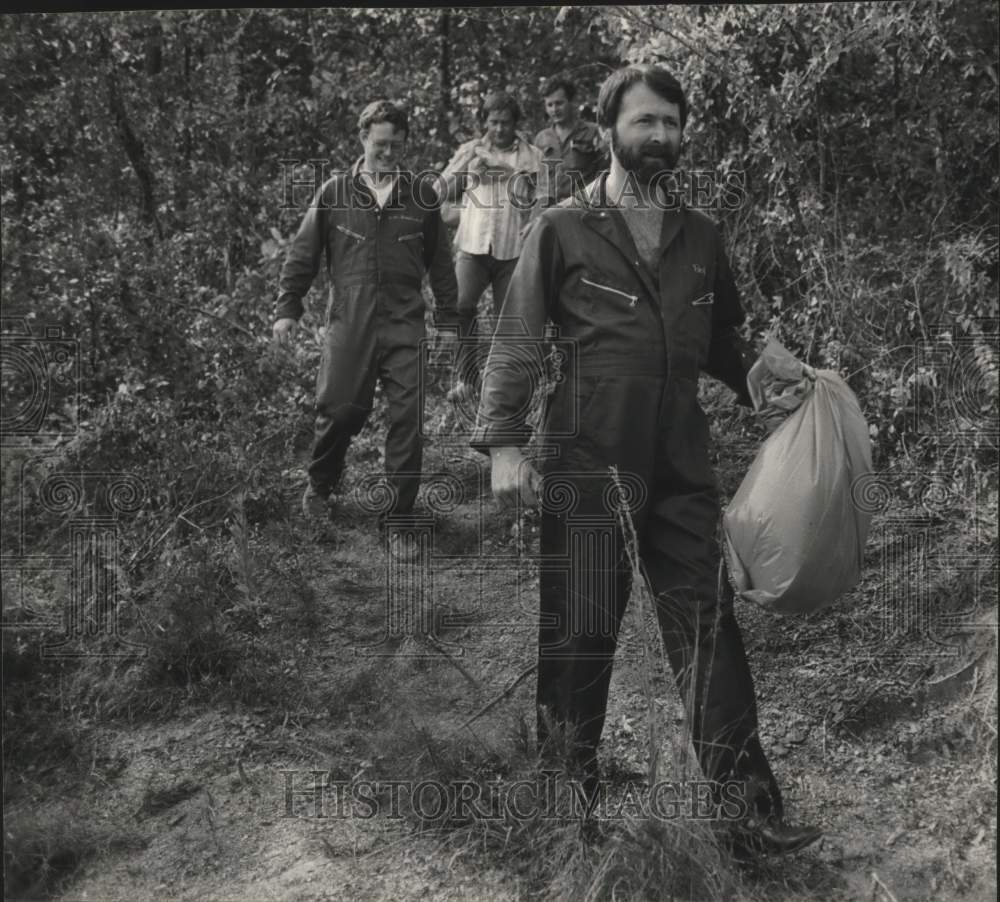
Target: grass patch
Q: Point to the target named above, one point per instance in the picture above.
(44, 849)
(498, 805)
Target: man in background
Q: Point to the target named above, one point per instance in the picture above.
(379, 230)
(574, 151)
(497, 174)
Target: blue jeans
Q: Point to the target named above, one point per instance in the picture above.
(473, 273)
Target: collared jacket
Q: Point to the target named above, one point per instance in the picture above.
(375, 258)
(491, 218)
(568, 165)
(632, 347)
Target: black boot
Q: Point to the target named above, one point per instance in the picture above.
(770, 835)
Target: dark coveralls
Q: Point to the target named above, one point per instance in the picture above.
(376, 259)
(629, 399)
(568, 165)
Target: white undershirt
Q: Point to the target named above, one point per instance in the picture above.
(382, 191)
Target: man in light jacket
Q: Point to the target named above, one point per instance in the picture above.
(497, 174)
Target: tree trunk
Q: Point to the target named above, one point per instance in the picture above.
(153, 61)
(135, 151)
(444, 71)
(183, 182)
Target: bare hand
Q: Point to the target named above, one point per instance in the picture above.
(477, 162)
(514, 478)
(447, 340)
(284, 331)
(522, 191)
(473, 155)
(445, 347)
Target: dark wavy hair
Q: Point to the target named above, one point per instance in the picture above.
(557, 83)
(496, 102)
(384, 111)
(655, 78)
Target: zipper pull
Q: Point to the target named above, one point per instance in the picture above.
(635, 300)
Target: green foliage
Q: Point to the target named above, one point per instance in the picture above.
(145, 213)
(866, 136)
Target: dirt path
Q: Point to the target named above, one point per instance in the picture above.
(894, 760)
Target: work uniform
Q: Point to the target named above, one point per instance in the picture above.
(635, 341)
(569, 163)
(376, 258)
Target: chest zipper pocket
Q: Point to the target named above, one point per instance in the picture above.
(409, 236)
(632, 298)
(350, 232)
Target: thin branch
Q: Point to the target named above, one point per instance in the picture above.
(132, 144)
(879, 885)
(217, 316)
(649, 23)
(523, 675)
(451, 659)
(181, 516)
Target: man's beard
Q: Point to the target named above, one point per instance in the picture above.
(648, 162)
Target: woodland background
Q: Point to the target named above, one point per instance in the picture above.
(143, 226)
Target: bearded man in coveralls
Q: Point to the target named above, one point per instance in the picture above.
(641, 286)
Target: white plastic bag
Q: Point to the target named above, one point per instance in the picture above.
(778, 384)
(794, 537)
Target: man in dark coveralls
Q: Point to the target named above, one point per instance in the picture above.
(380, 230)
(574, 150)
(642, 287)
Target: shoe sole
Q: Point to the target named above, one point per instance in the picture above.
(745, 849)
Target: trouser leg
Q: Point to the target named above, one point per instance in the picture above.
(705, 647)
(400, 376)
(502, 272)
(472, 272)
(344, 394)
(584, 586)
